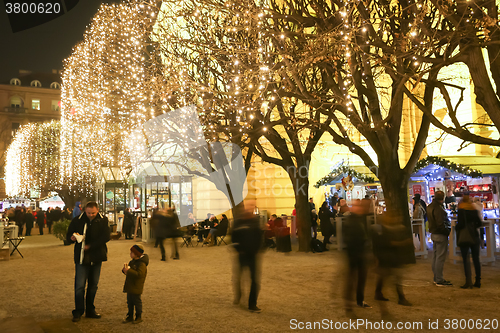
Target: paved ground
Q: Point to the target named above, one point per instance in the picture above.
(194, 294)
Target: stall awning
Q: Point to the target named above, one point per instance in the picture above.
(360, 173)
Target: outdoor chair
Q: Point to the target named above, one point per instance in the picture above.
(15, 243)
(221, 233)
(187, 240)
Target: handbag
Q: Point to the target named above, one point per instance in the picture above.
(466, 235)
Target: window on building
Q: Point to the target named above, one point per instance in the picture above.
(15, 127)
(55, 85)
(56, 105)
(36, 83)
(15, 82)
(35, 104)
(16, 102)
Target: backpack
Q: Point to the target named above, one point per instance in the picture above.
(316, 245)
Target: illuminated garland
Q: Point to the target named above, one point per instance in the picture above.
(463, 169)
(105, 93)
(344, 169)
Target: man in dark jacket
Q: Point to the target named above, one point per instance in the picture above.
(247, 239)
(439, 227)
(91, 232)
(40, 220)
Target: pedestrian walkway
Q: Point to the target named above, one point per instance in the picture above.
(194, 294)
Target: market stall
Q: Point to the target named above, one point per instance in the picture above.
(350, 183)
(434, 174)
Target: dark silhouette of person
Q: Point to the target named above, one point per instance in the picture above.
(128, 223)
(325, 223)
(247, 239)
(392, 246)
(40, 220)
(356, 237)
(29, 219)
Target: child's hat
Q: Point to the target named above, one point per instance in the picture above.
(138, 249)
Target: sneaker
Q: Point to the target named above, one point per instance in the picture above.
(255, 309)
(76, 319)
(138, 320)
(127, 320)
(444, 284)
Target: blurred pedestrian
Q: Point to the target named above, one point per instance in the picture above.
(468, 222)
(356, 237)
(19, 218)
(29, 219)
(136, 271)
(173, 231)
(246, 238)
(67, 214)
(40, 220)
(392, 242)
(49, 217)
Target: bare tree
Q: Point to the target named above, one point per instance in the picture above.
(218, 58)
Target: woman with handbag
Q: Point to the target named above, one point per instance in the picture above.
(467, 226)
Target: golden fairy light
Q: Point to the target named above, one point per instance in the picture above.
(104, 93)
(32, 161)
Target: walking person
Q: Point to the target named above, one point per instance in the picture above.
(393, 248)
(246, 238)
(29, 219)
(135, 271)
(172, 225)
(439, 227)
(468, 222)
(356, 238)
(40, 220)
(90, 231)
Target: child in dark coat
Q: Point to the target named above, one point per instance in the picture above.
(136, 271)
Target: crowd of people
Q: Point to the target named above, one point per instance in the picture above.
(25, 218)
(389, 240)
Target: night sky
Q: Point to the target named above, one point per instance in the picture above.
(43, 48)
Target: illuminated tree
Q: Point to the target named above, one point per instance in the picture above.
(272, 76)
(105, 94)
(216, 57)
(33, 162)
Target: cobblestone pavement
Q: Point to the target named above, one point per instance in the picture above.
(194, 294)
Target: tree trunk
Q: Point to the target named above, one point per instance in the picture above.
(300, 181)
(394, 183)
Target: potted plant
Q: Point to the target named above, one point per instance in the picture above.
(60, 229)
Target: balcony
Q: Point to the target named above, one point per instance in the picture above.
(15, 110)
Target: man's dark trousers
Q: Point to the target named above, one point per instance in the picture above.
(86, 274)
